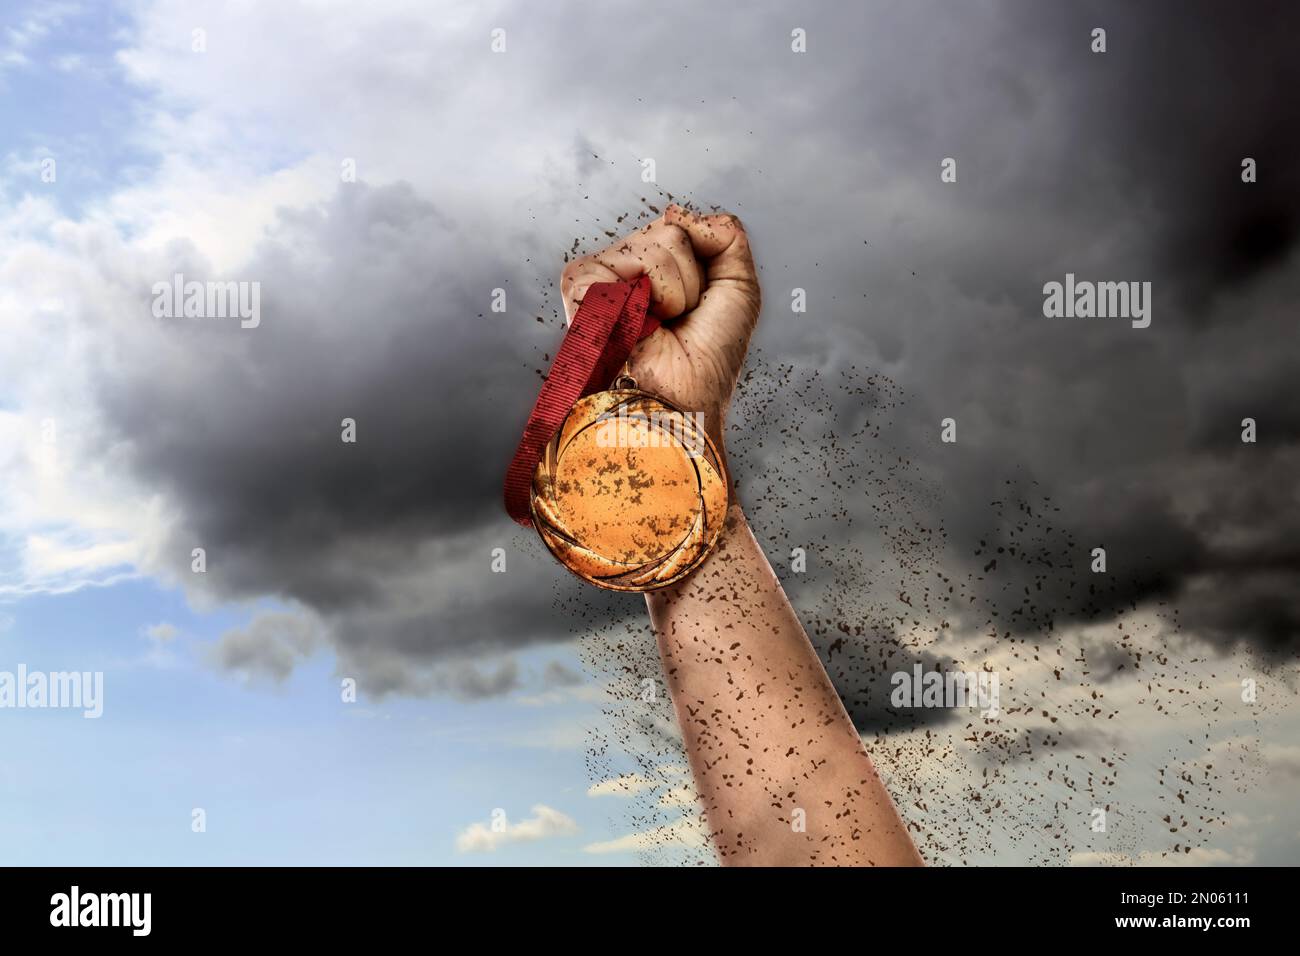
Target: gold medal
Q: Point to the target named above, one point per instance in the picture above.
(626, 489)
(630, 493)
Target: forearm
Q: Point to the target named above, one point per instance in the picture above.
(765, 732)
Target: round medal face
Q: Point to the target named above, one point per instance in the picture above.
(630, 493)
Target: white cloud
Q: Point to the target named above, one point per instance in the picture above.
(671, 788)
(674, 781)
(71, 516)
(1282, 759)
(161, 633)
(545, 823)
(1199, 856)
(685, 831)
(23, 36)
(683, 795)
(624, 785)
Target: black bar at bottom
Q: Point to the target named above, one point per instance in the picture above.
(370, 905)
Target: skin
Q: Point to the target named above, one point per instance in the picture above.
(765, 732)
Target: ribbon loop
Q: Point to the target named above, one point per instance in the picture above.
(613, 317)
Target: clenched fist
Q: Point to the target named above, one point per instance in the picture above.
(703, 287)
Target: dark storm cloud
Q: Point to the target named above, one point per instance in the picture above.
(1193, 89)
(869, 701)
(1124, 165)
(1121, 166)
(1197, 88)
(386, 544)
(557, 675)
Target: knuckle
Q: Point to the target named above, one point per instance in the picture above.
(675, 237)
(578, 273)
(569, 274)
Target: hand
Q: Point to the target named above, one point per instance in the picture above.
(702, 276)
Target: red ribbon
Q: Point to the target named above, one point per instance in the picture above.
(609, 323)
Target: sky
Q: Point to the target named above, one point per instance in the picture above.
(380, 169)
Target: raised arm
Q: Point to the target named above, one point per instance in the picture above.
(781, 771)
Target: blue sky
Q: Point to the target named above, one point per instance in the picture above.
(65, 97)
(286, 774)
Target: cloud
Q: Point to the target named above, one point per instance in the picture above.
(161, 633)
(268, 648)
(477, 172)
(23, 34)
(1195, 856)
(683, 832)
(470, 682)
(1282, 759)
(557, 675)
(544, 824)
(666, 777)
(667, 792)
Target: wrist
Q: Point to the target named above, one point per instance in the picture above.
(732, 544)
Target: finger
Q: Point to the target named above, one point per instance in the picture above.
(668, 298)
(652, 259)
(579, 276)
(718, 239)
(679, 246)
(659, 251)
(644, 245)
